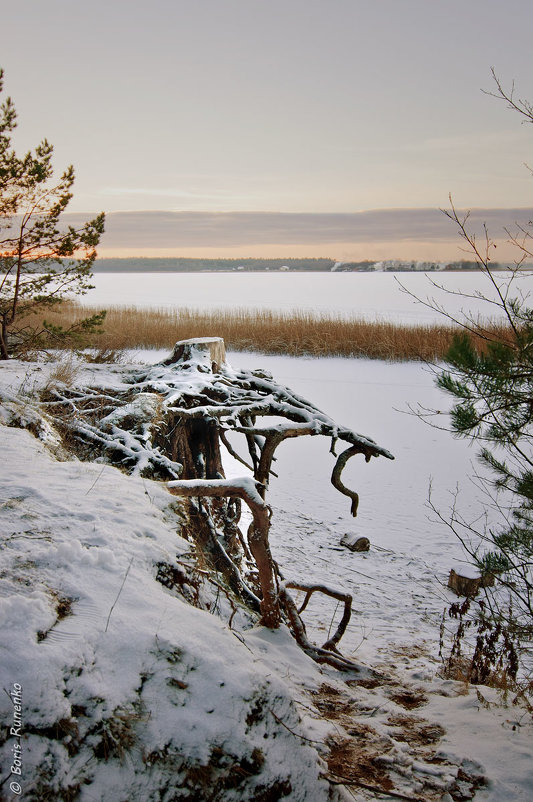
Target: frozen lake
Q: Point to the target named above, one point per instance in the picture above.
(367, 295)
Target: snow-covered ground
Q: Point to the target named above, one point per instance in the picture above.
(127, 689)
(144, 691)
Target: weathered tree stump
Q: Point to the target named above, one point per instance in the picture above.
(207, 352)
(355, 543)
(467, 582)
(464, 585)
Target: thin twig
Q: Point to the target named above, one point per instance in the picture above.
(118, 594)
(333, 618)
(340, 780)
(95, 481)
(296, 734)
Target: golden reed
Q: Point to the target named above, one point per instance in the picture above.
(295, 333)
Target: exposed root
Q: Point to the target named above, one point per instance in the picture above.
(169, 421)
(335, 594)
(319, 654)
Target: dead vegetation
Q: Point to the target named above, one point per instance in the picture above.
(295, 333)
(116, 735)
(383, 751)
(63, 609)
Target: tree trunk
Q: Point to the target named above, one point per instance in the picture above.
(4, 353)
(195, 444)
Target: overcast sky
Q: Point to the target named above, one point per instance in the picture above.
(323, 109)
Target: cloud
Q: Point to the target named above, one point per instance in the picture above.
(193, 229)
(164, 193)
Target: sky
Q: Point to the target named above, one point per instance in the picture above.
(283, 128)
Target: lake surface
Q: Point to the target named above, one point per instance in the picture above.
(366, 295)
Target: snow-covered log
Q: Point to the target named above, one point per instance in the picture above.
(355, 542)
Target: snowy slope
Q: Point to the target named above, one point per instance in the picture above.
(130, 692)
(143, 690)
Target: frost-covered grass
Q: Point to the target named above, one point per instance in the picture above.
(293, 333)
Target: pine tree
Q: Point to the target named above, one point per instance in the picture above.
(493, 392)
(42, 261)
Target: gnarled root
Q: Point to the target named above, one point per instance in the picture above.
(342, 459)
(328, 652)
(330, 644)
(248, 490)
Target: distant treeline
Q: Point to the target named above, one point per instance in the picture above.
(137, 264)
(182, 265)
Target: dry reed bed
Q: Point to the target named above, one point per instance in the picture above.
(295, 333)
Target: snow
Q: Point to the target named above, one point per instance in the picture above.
(311, 517)
(468, 571)
(130, 655)
(366, 295)
(148, 687)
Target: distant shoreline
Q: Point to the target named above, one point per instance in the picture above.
(323, 265)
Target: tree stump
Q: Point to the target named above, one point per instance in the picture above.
(464, 585)
(355, 543)
(466, 582)
(207, 352)
(173, 427)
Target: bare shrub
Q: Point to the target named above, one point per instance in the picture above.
(479, 649)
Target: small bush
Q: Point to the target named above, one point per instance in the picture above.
(481, 649)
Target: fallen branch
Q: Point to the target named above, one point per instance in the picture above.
(338, 779)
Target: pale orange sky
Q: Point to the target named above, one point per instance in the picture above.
(291, 106)
(435, 251)
(422, 234)
(422, 251)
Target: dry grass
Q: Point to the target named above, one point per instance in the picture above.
(65, 371)
(294, 333)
